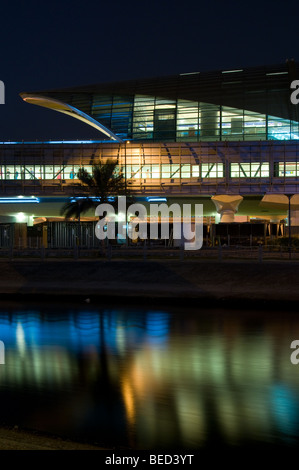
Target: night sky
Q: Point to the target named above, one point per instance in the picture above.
(48, 45)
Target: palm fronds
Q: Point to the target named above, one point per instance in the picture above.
(104, 183)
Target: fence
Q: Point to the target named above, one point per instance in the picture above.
(145, 252)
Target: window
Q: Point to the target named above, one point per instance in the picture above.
(146, 171)
(135, 171)
(289, 170)
(249, 170)
(155, 171)
(185, 171)
(212, 170)
(195, 171)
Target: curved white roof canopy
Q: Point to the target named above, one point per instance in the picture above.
(65, 108)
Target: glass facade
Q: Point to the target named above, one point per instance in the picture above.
(152, 172)
(114, 112)
(153, 168)
(38, 172)
(153, 118)
(231, 105)
(145, 172)
(188, 121)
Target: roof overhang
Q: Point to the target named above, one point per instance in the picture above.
(65, 108)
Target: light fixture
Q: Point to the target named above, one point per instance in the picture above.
(156, 199)
(20, 217)
(19, 200)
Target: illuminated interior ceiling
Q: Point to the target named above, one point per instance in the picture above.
(65, 108)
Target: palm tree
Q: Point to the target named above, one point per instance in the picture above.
(105, 182)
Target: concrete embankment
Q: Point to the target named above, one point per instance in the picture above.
(271, 281)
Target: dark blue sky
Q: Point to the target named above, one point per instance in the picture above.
(64, 43)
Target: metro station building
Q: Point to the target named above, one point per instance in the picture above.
(227, 139)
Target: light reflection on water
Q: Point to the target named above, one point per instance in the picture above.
(149, 379)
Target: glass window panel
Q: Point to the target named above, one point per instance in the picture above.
(128, 171)
(187, 120)
(143, 116)
(254, 124)
(22, 173)
(155, 171)
(244, 170)
(212, 170)
(117, 170)
(88, 168)
(29, 172)
(288, 169)
(232, 121)
(186, 171)
(146, 171)
(76, 168)
(278, 129)
(49, 172)
(220, 171)
(294, 130)
(39, 172)
(162, 103)
(195, 171)
(17, 175)
(58, 172)
(265, 170)
(136, 171)
(235, 170)
(255, 170)
(10, 172)
(69, 172)
(249, 170)
(175, 171)
(165, 171)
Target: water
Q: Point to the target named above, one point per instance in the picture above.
(151, 378)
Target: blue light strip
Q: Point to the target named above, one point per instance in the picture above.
(59, 142)
(156, 199)
(75, 199)
(19, 200)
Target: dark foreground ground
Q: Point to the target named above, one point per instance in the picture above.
(246, 283)
(16, 439)
(231, 280)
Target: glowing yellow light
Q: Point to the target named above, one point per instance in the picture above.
(20, 217)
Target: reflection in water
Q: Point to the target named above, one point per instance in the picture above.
(148, 379)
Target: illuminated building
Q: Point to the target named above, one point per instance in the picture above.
(227, 139)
